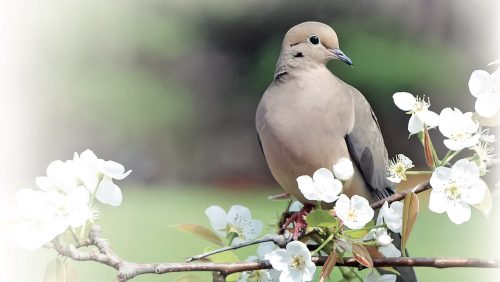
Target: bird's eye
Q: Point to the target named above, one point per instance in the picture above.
(314, 40)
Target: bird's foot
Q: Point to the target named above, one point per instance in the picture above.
(299, 221)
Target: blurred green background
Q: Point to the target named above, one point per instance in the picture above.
(170, 88)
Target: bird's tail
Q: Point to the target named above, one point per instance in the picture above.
(407, 273)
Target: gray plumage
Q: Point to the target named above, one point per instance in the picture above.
(309, 119)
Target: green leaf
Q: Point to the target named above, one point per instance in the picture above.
(321, 218)
(188, 278)
(55, 271)
(200, 231)
(410, 212)
(225, 257)
(328, 266)
(487, 203)
(362, 255)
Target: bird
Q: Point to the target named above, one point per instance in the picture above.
(308, 118)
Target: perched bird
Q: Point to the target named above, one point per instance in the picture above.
(308, 119)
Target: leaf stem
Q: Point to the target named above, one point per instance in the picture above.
(446, 160)
(322, 244)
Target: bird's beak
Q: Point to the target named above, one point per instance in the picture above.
(341, 56)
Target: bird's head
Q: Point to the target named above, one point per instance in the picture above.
(313, 41)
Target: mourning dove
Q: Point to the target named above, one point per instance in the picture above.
(308, 119)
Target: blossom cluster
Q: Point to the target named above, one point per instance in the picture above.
(455, 188)
(65, 198)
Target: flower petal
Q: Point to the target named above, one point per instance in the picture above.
(404, 100)
(343, 169)
(459, 212)
(239, 215)
(108, 192)
(218, 219)
(488, 105)
(437, 201)
(477, 81)
(279, 259)
(415, 125)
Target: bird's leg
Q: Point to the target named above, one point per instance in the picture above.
(299, 221)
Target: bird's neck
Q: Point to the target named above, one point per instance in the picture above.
(289, 65)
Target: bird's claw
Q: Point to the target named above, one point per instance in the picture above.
(299, 221)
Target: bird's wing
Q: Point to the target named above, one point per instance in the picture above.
(366, 147)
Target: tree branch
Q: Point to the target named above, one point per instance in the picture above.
(127, 270)
(104, 254)
(421, 187)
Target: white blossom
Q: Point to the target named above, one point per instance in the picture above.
(294, 262)
(486, 88)
(397, 168)
(261, 275)
(343, 169)
(95, 174)
(43, 215)
(355, 213)
(380, 235)
(419, 110)
(237, 221)
(455, 188)
(383, 241)
(91, 169)
(460, 129)
(392, 216)
(321, 187)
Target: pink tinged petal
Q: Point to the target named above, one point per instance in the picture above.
(477, 81)
(415, 125)
(108, 192)
(218, 219)
(404, 100)
(458, 212)
(488, 105)
(438, 201)
(279, 259)
(440, 178)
